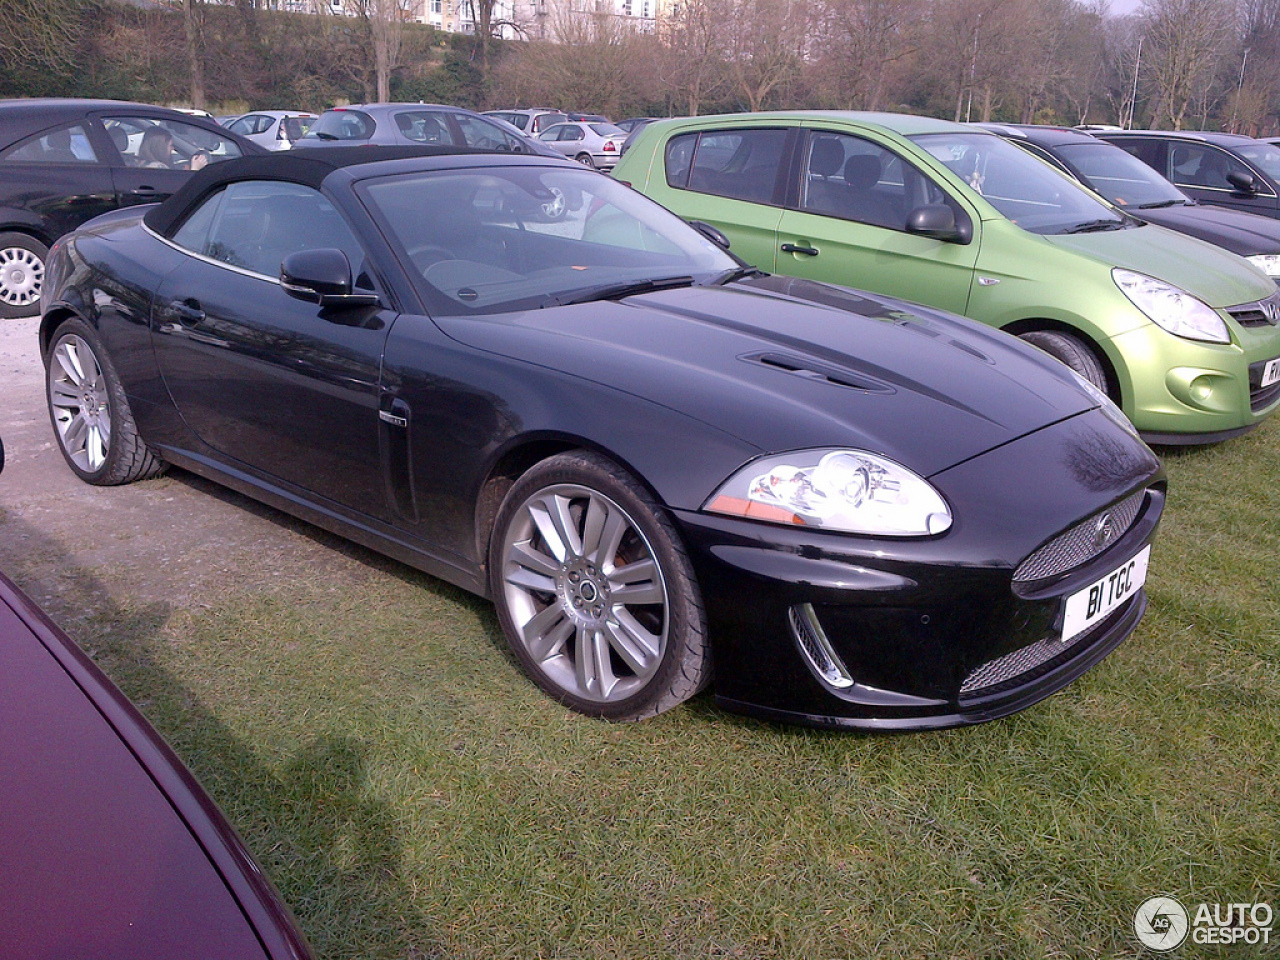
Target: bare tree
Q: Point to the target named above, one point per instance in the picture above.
(695, 38)
(860, 41)
(1184, 41)
(767, 43)
(40, 32)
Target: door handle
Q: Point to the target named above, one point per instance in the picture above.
(144, 191)
(188, 312)
(796, 248)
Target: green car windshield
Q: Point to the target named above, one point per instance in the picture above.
(1024, 189)
(1120, 177)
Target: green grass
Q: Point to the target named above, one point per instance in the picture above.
(414, 796)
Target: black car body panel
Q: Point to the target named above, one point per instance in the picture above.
(110, 848)
(401, 430)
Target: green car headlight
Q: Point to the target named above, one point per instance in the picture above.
(1171, 308)
(846, 490)
(1268, 263)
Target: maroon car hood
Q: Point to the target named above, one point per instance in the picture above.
(95, 862)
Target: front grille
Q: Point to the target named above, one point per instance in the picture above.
(1082, 542)
(995, 672)
(1261, 397)
(1260, 313)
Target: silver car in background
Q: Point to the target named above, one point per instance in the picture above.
(530, 122)
(597, 145)
(404, 124)
(272, 129)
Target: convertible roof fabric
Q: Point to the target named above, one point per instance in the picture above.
(306, 166)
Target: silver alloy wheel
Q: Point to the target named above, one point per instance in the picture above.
(21, 276)
(586, 593)
(555, 208)
(81, 404)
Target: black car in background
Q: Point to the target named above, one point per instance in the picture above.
(1223, 169)
(110, 848)
(63, 162)
(666, 469)
(1136, 188)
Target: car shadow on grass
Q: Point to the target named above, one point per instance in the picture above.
(322, 834)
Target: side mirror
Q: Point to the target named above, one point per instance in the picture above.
(1242, 182)
(711, 233)
(324, 277)
(936, 220)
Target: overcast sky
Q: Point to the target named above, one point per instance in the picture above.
(1120, 8)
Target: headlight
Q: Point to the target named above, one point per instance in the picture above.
(1172, 309)
(1268, 263)
(845, 490)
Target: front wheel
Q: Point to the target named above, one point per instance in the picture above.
(1072, 351)
(90, 414)
(22, 260)
(595, 592)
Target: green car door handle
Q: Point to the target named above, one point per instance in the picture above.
(795, 248)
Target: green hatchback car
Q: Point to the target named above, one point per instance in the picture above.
(1182, 334)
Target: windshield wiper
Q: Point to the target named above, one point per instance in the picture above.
(616, 291)
(734, 275)
(1160, 204)
(1094, 226)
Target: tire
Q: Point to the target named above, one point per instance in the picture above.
(90, 415)
(586, 160)
(1072, 351)
(22, 262)
(562, 606)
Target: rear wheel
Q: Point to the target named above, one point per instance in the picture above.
(90, 414)
(1072, 351)
(22, 260)
(586, 160)
(595, 592)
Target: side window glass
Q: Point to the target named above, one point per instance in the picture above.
(742, 165)
(67, 144)
(1201, 165)
(254, 225)
(167, 144)
(679, 155)
(253, 123)
(484, 135)
(422, 126)
(855, 179)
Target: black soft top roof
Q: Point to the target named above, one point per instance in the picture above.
(305, 166)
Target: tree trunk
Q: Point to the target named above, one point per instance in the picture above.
(195, 54)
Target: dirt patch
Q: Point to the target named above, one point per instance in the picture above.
(176, 540)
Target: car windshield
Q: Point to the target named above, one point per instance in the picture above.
(1265, 156)
(508, 238)
(1026, 190)
(1119, 176)
(341, 125)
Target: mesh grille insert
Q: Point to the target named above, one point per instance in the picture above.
(1082, 542)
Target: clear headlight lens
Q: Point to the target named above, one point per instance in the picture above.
(1268, 263)
(845, 490)
(1172, 309)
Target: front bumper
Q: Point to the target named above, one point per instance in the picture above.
(931, 633)
(1180, 391)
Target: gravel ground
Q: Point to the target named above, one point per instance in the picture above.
(176, 541)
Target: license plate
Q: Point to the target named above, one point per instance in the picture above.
(1092, 604)
(1270, 373)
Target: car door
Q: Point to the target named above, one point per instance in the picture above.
(144, 170)
(734, 179)
(1201, 169)
(846, 223)
(55, 181)
(281, 385)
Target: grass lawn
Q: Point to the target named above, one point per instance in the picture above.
(414, 796)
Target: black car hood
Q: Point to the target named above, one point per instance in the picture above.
(1245, 234)
(785, 364)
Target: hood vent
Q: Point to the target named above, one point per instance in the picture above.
(810, 370)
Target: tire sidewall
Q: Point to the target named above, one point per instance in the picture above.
(686, 628)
